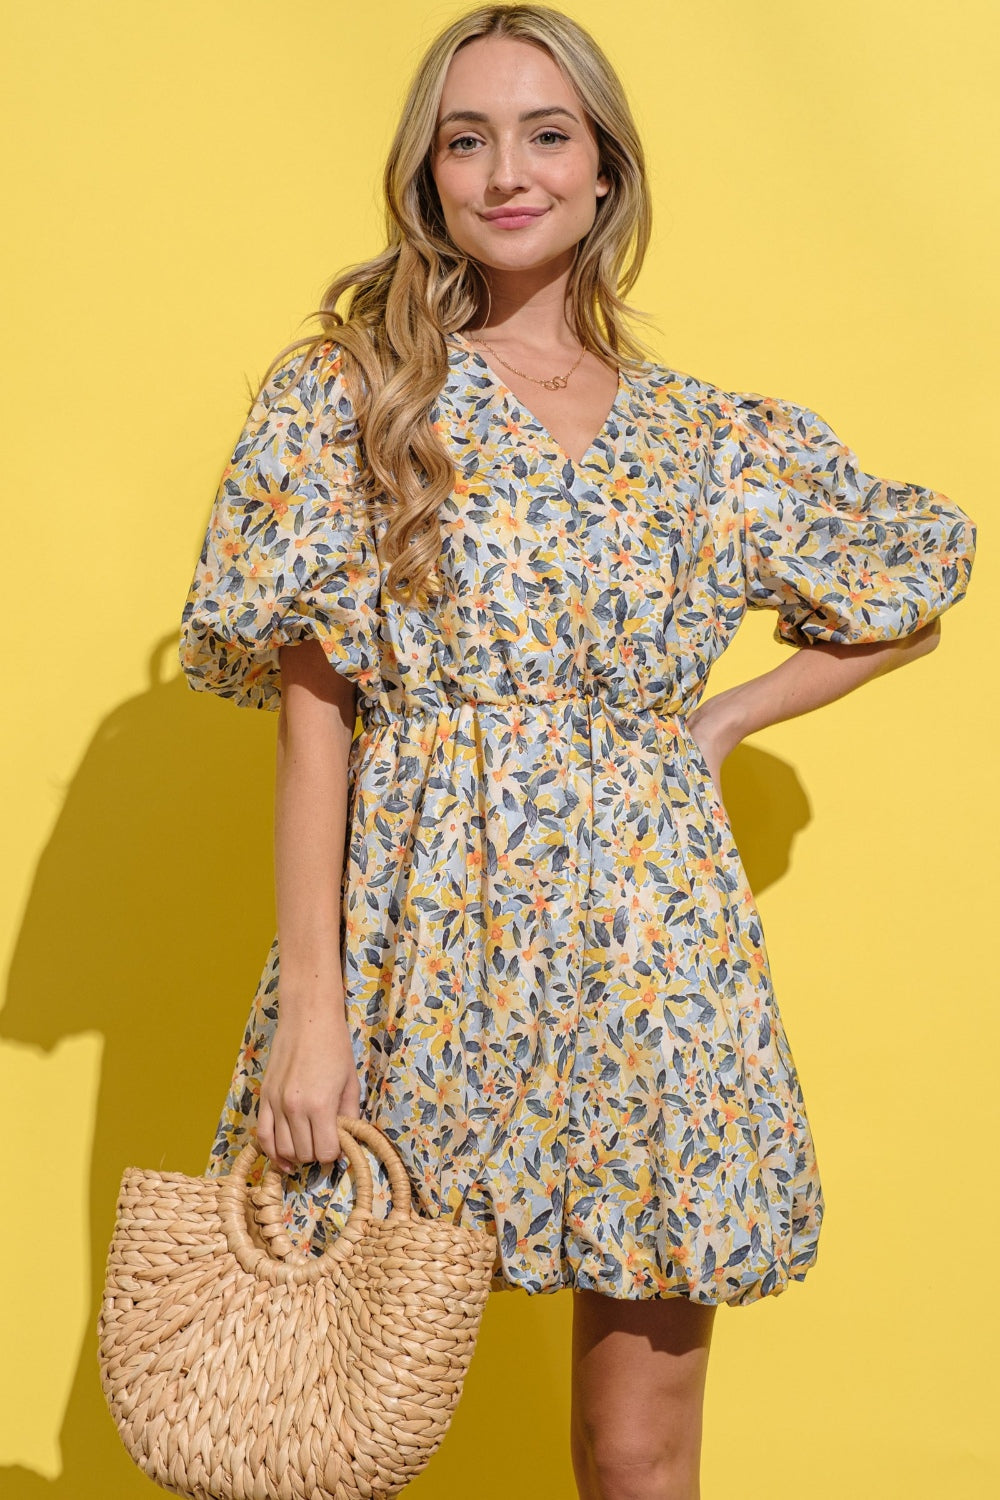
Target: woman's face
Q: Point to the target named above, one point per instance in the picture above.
(515, 157)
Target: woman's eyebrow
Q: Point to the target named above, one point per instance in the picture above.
(545, 112)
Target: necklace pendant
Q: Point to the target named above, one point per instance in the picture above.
(557, 383)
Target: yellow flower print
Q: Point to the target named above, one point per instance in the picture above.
(546, 922)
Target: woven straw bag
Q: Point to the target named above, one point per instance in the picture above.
(239, 1367)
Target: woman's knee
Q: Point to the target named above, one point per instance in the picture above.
(639, 1373)
(642, 1441)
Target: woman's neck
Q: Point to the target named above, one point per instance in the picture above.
(526, 310)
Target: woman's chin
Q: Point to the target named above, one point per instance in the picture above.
(520, 254)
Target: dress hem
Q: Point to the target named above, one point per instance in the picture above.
(582, 1281)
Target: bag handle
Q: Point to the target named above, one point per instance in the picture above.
(235, 1190)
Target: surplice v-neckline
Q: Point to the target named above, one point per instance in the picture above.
(510, 398)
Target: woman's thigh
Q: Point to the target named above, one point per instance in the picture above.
(638, 1385)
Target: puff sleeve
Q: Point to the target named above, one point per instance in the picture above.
(841, 555)
(288, 553)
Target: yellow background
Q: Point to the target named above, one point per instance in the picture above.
(182, 179)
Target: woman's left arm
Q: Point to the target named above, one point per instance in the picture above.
(809, 677)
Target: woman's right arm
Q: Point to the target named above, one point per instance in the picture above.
(311, 1075)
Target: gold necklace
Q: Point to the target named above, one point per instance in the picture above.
(556, 383)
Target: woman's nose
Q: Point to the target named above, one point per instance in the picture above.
(508, 170)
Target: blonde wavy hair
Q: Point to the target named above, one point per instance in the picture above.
(422, 286)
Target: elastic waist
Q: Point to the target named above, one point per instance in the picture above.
(379, 712)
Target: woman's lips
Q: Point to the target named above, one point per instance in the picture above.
(514, 218)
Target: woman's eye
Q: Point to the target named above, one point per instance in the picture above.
(463, 144)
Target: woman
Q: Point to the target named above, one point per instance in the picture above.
(514, 927)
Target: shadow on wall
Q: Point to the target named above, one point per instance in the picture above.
(149, 920)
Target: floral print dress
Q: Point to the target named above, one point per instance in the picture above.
(555, 973)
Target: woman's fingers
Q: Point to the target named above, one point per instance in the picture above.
(293, 1137)
(274, 1136)
(310, 1078)
(326, 1137)
(265, 1134)
(297, 1137)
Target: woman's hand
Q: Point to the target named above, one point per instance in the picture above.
(716, 728)
(310, 1078)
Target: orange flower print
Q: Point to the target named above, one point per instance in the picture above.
(554, 973)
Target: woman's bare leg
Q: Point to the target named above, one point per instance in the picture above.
(638, 1384)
